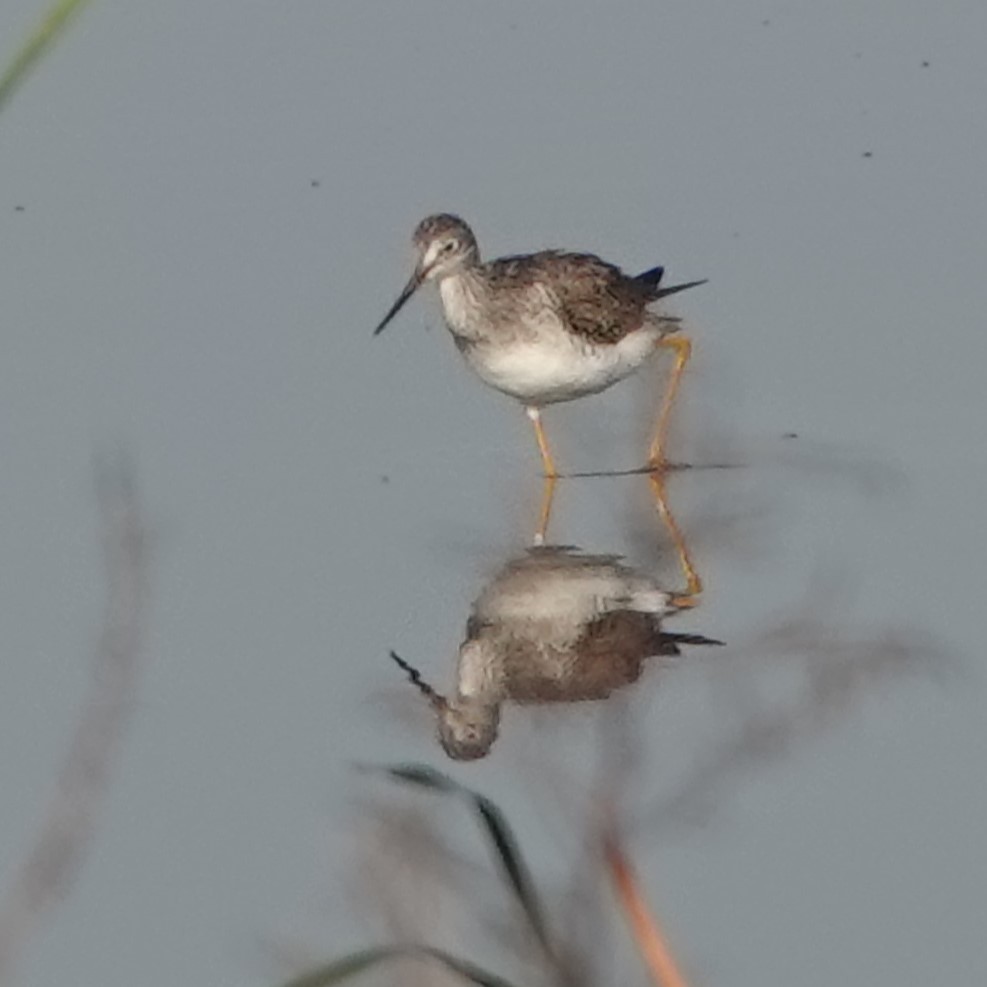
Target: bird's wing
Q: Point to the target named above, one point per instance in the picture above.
(594, 299)
(598, 301)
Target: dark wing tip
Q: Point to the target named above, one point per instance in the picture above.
(652, 277)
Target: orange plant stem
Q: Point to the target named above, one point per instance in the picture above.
(647, 933)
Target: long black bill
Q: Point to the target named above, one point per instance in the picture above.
(409, 289)
(675, 288)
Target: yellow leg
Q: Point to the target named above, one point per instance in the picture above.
(647, 932)
(545, 514)
(546, 457)
(693, 584)
(683, 350)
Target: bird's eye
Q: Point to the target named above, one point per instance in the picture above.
(448, 246)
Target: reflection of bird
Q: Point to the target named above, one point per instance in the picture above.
(554, 626)
(546, 327)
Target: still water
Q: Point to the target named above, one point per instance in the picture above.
(205, 213)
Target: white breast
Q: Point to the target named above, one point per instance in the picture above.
(459, 305)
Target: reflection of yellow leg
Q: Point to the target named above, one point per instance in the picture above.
(546, 456)
(693, 584)
(647, 933)
(545, 514)
(683, 350)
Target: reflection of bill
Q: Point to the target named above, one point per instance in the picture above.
(554, 626)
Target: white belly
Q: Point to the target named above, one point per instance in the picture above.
(545, 371)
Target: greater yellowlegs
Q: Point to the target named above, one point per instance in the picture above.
(554, 626)
(547, 327)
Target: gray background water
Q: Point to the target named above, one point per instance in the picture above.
(177, 282)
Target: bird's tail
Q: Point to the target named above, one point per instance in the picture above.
(675, 288)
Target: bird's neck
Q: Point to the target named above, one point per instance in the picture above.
(479, 673)
(462, 303)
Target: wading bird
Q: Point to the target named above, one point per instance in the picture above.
(547, 327)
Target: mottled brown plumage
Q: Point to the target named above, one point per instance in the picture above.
(596, 300)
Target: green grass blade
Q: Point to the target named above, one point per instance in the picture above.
(345, 967)
(513, 863)
(37, 45)
(470, 972)
(355, 963)
(498, 831)
(425, 777)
